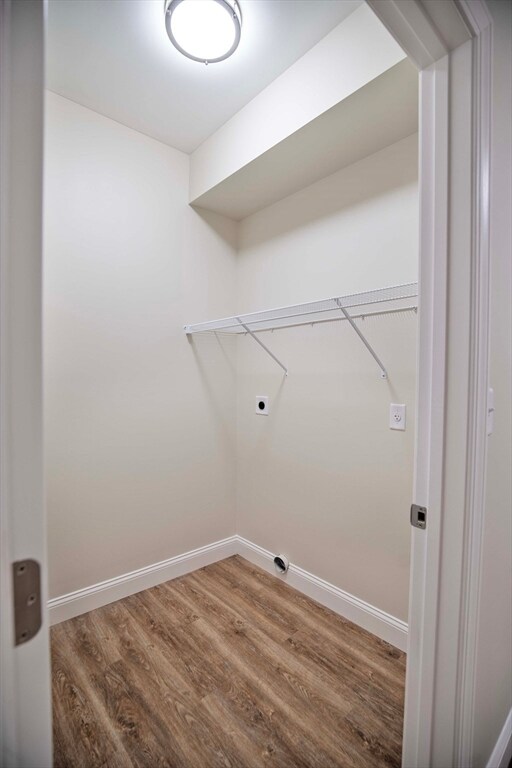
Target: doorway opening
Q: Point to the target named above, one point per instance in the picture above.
(291, 212)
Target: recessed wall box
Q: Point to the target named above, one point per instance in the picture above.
(262, 405)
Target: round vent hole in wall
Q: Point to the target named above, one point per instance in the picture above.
(262, 406)
(281, 563)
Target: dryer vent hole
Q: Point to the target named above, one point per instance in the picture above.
(281, 563)
(261, 405)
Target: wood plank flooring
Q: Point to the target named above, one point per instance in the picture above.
(228, 667)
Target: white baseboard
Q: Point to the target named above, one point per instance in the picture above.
(363, 614)
(502, 752)
(84, 600)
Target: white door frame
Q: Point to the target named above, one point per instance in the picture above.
(25, 701)
(451, 43)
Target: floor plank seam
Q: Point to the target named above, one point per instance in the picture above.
(224, 666)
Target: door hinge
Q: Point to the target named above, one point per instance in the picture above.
(418, 516)
(26, 581)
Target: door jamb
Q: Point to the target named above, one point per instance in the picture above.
(425, 38)
(431, 377)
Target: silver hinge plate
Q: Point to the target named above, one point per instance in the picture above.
(26, 579)
(418, 516)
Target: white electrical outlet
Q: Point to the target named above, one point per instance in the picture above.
(262, 405)
(397, 416)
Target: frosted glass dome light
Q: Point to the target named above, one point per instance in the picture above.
(204, 30)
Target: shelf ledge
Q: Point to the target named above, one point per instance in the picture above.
(299, 314)
(310, 312)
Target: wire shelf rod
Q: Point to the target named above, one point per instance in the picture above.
(383, 372)
(312, 312)
(311, 323)
(341, 318)
(267, 350)
(283, 316)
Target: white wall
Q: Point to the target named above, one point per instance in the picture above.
(139, 425)
(322, 478)
(143, 455)
(494, 660)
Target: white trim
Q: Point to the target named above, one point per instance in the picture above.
(426, 31)
(502, 752)
(97, 595)
(476, 459)
(430, 420)
(475, 14)
(25, 681)
(412, 28)
(363, 614)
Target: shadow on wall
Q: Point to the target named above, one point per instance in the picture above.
(378, 175)
(205, 348)
(225, 229)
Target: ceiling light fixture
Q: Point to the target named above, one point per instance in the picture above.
(204, 30)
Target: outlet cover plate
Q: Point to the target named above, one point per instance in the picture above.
(262, 406)
(397, 416)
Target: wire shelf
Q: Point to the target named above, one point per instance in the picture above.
(298, 314)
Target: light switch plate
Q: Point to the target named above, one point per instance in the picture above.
(262, 405)
(397, 416)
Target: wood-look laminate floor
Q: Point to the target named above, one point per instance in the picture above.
(229, 667)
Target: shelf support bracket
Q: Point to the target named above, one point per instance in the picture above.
(383, 372)
(267, 350)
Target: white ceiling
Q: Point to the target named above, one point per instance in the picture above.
(114, 56)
